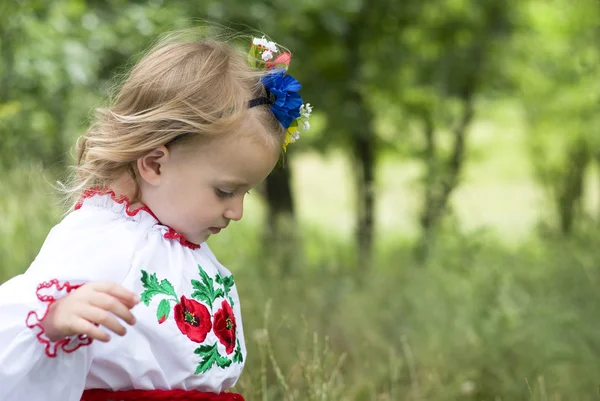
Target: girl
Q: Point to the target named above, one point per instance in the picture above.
(125, 300)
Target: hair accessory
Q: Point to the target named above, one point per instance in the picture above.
(282, 89)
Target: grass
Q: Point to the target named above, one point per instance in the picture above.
(479, 322)
(497, 313)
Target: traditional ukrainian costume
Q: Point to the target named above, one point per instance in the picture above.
(187, 343)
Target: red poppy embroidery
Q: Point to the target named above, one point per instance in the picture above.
(193, 319)
(224, 327)
(193, 316)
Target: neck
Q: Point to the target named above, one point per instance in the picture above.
(126, 186)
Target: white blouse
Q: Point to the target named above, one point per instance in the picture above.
(188, 333)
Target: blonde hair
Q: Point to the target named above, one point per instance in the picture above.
(195, 89)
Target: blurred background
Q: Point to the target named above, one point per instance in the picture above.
(433, 237)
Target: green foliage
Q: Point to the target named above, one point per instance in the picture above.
(56, 62)
(163, 310)
(205, 290)
(153, 287)
(210, 356)
(554, 65)
(478, 321)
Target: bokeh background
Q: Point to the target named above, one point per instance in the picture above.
(433, 237)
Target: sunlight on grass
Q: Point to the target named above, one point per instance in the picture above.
(479, 321)
(497, 190)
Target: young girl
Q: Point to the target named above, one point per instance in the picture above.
(125, 300)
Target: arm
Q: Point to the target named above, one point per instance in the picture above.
(49, 315)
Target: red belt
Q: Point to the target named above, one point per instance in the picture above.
(157, 395)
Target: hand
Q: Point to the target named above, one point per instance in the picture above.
(88, 306)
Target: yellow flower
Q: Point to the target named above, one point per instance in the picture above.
(287, 141)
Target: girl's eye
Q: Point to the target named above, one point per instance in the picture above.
(223, 194)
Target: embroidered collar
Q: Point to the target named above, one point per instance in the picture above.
(126, 203)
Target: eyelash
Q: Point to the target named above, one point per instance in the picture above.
(223, 194)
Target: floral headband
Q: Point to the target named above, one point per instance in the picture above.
(282, 89)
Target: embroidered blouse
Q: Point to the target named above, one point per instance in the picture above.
(188, 333)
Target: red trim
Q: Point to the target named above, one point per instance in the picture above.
(157, 395)
(51, 348)
(91, 192)
(171, 234)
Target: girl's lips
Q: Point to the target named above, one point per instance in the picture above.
(214, 230)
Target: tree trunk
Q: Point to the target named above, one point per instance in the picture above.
(572, 189)
(432, 174)
(439, 188)
(280, 231)
(362, 143)
(363, 150)
(278, 192)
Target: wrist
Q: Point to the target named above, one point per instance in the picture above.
(49, 326)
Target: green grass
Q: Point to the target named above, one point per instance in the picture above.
(497, 313)
(478, 322)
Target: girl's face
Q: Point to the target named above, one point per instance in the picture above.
(199, 192)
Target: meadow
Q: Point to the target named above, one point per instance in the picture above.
(502, 310)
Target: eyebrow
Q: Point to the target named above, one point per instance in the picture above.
(233, 182)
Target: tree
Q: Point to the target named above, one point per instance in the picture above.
(451, 53)
(556, 73)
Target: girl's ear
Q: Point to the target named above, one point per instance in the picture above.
(150, 166)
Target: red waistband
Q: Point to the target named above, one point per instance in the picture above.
(157, 395)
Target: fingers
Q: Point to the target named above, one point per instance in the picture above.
(112, 304)
(83, 326)
(128, 298)
(91, 305)
(100, 316)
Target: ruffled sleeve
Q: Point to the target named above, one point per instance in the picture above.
(91, 244)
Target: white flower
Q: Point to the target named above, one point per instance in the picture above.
(266, 44)
(259, 41)
(306, 125)
(305, 110)
(294, 137)
(267, 55)
(271, 46)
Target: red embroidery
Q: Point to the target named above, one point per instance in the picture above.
(91, 192)
(157, 395)
(224, 327)
(171, 234)
(193, 319)
(51, 349)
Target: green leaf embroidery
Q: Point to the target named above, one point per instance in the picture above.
(153, 287)
(227, 283)
(164, 308)
(205, 290)
(237, 356)
(210, 356)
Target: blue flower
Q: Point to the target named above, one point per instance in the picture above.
(287, 102)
